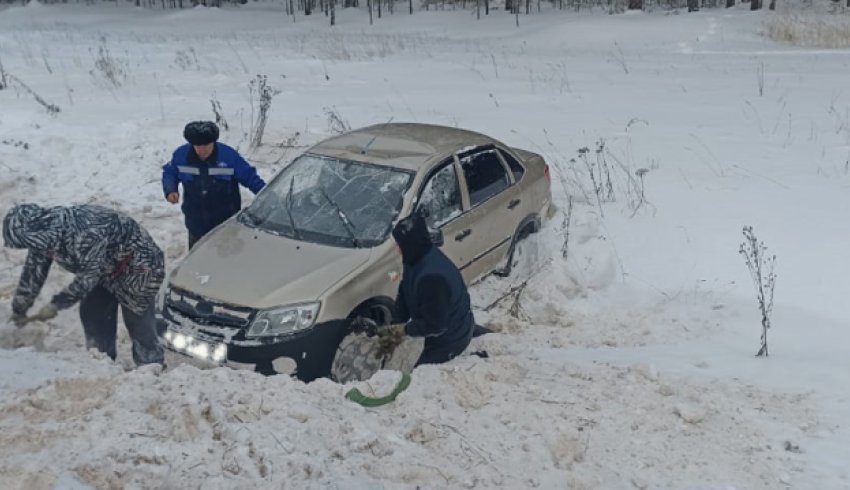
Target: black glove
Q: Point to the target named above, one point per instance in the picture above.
(389, 337)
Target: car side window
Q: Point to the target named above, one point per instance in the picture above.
(440, 199)
(516, 168)
(485, 176)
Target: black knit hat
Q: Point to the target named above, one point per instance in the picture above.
(411, 235)
(201, 133)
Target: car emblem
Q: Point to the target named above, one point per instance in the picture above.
(202, 278)
(202, 308)
(393, 275)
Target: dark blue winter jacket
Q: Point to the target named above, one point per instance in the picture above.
(210, 187)
(433, 296)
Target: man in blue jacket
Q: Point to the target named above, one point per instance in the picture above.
(432, 301)
(210, 173)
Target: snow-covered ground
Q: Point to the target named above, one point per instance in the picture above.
(627, 365)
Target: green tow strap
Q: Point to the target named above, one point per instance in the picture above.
(357, 397)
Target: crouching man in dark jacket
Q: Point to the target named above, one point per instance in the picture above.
(115, 261)
(432, 298)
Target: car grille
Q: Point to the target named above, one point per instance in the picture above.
(217, 319)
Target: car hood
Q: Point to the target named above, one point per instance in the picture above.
(244, 266)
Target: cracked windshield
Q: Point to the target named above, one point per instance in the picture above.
(330, 201)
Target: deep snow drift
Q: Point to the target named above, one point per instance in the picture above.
(629, 364)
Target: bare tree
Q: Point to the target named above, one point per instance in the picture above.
(516, 11)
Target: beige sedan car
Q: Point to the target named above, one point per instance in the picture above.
(276, 287)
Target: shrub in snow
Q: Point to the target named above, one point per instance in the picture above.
(810, 30)
(52, 109)
(109, 68)
(761, 270)
(3, 82)
(565, 228)
(263, 93)
(599, 173)
(219, 113)
(336, 124)
(187, 60)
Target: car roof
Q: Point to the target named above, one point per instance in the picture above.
(410, 146)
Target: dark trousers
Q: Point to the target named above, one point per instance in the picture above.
(444, 353)
(99, 314)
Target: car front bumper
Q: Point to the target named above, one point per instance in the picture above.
(312, 351)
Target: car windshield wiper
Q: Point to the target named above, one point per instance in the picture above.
(249, 219)
(289, 210)
(342, 217)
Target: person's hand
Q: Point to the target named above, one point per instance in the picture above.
(173, 197)
(46, 312)
(19, 319)
(389, 337)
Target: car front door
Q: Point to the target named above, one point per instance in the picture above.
(441, 202)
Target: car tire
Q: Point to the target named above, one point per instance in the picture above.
(379, 310)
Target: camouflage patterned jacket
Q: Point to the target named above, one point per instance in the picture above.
(102, 247)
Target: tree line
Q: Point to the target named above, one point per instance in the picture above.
(380, 8)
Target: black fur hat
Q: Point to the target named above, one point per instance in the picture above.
(201, 133)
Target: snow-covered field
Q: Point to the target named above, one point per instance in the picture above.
(627, 365)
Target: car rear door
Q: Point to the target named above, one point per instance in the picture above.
(493, 208)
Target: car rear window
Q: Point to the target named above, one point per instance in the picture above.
(516, 168)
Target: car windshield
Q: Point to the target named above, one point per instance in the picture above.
(330, 201)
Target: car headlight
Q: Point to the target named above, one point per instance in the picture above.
(284, 320)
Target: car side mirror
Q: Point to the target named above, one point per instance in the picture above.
(436, 237)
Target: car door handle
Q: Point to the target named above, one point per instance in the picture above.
(514, 203)
(465, 233)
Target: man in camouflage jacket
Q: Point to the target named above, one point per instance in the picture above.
(115, 261)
